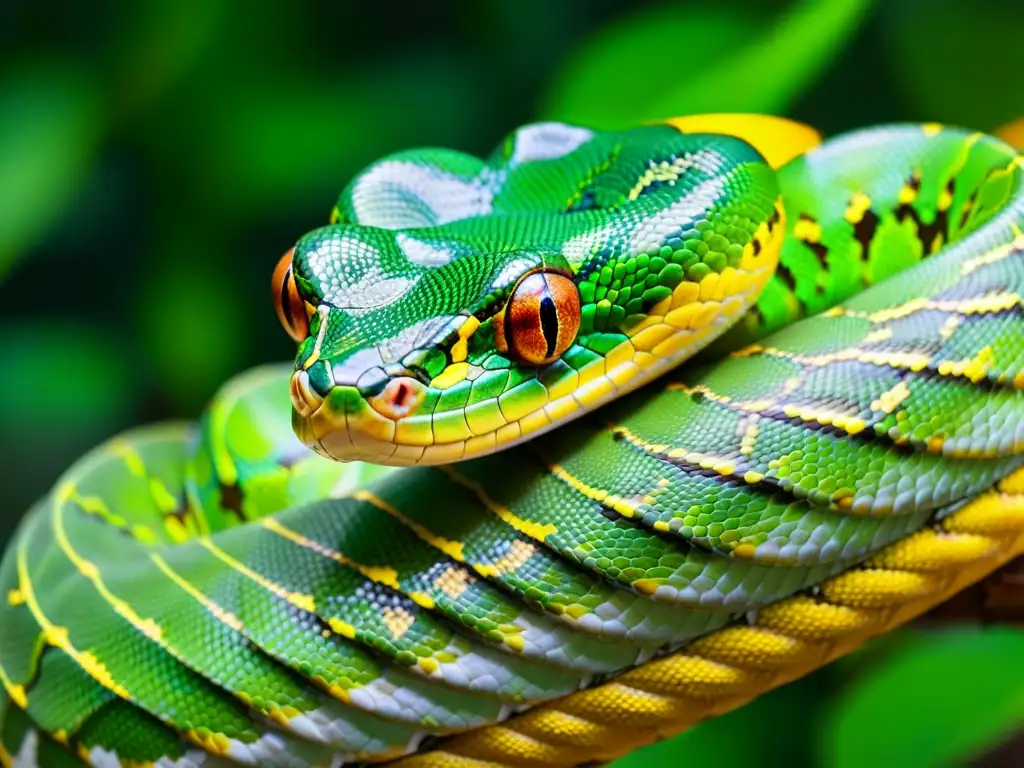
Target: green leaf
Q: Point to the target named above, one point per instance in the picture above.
(958, 66)
(51, 124)
(936, 701)
(689, 59)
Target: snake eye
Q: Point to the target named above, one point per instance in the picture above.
(291, 308)
(541, 319)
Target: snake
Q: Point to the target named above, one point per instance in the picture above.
(584, 441)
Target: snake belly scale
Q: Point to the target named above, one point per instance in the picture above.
(573, 558)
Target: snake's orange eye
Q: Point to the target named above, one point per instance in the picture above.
(291, 309)
(541, 319)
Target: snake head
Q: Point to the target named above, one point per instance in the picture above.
(402, 362)
(447, 314)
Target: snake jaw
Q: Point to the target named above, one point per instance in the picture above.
(347, 425)
(346, 428)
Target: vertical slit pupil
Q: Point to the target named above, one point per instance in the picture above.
(549, 323)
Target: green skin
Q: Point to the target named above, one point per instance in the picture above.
(430, 244)
(221, 595)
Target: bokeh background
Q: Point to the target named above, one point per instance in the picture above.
(156, 158)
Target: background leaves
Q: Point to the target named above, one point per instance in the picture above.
(934, 696)
(44, 151)
(668, 60)
(156, 158)
(952, 58)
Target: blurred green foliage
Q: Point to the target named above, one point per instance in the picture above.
(156, 158)
(712, 59)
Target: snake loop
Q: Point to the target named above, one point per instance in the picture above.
(548, 582)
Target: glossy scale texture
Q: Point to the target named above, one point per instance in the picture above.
(217, 594)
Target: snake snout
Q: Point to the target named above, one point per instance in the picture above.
(305, 399)
(354, 423)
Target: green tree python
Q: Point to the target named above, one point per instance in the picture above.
(574, 558)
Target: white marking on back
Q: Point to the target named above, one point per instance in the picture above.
(347, 268)
(578, 249)
(372, 291)
(102, 758)
(421, 253)
(546, 141)
(513, 271)
(649, 233)
(400, 194)
(28, 752)
(348, 371)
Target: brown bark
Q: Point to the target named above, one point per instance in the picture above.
(997, 599)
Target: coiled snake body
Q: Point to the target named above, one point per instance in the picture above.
(547, 581)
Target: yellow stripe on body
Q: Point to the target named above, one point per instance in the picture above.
(778, 139)
(213, 742)
(890, 400)
(722, 465)
(996, 254)
(660, 172)
(851, 423)
(91, 505)
(301, 601)
(990, 303)
(165, 501)
(451, 548)
(507, 564)
(132, 459)
(623, 506)
(15, 691)
(533, 530)
(973, 369)
(222, 615)
(91, 572)
(229, 619)
(57, 636)
(381, 574)
(97, 507)
(453, 582)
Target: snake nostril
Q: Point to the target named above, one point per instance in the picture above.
(400, 397)
(401, 394)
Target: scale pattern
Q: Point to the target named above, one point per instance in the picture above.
(665, 237)
(215, 595)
